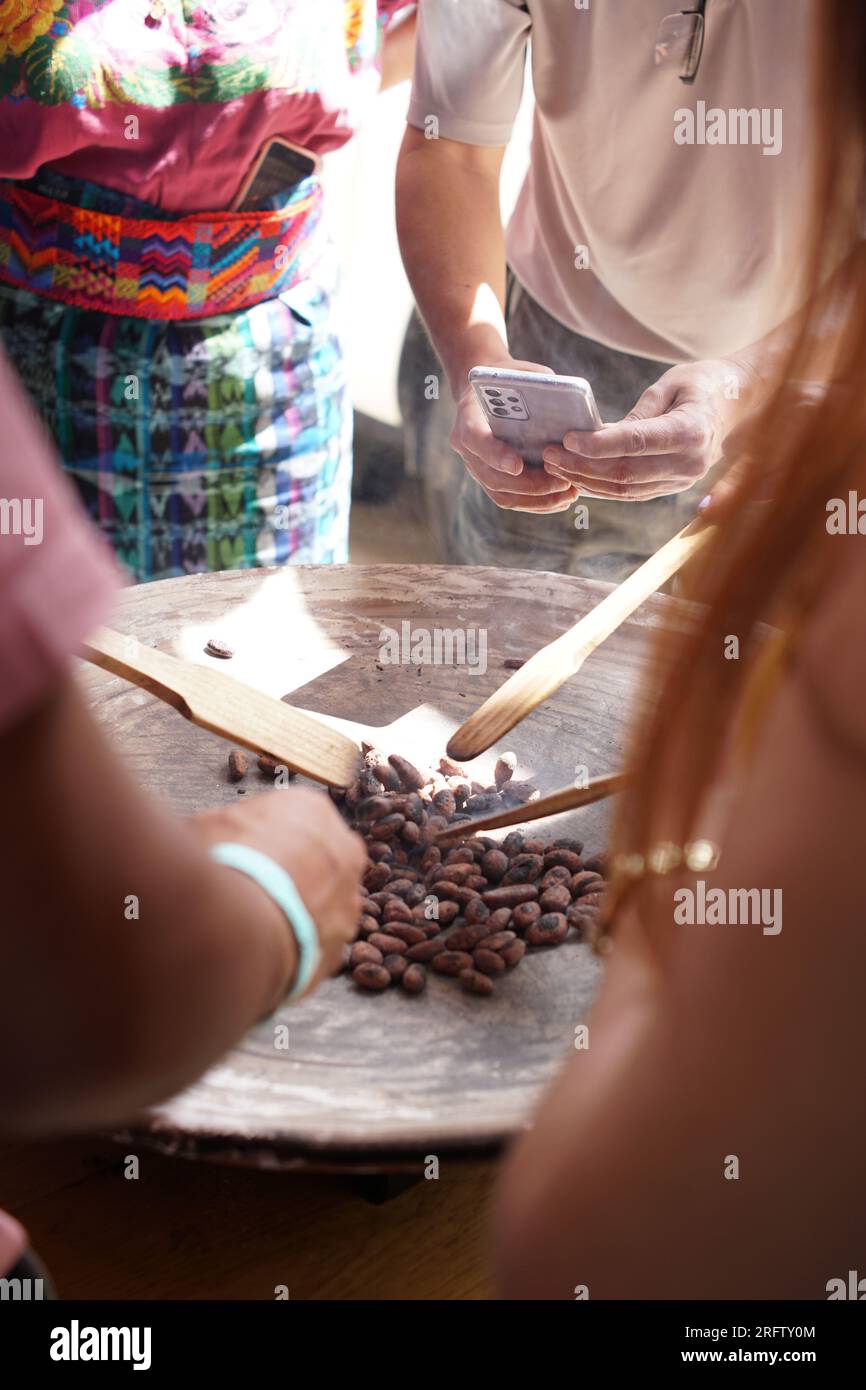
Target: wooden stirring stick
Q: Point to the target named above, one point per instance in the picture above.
(567, 799)
(554, 664)
(231, 709)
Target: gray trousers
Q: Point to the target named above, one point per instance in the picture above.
(472, 530)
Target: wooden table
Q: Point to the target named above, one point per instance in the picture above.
(368, 1084)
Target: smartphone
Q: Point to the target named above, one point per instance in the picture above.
(278, 168)
(530, 410)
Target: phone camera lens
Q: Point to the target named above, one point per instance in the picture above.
(499, 410)
(494, 395)
(515, 400)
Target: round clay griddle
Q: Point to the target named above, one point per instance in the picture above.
(368, 1078)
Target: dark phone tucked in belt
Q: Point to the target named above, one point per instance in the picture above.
(278, 168)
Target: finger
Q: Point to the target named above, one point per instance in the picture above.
(625, 472)
(532, 482)
(681, 431)
(725, 490)
(472, 434)
(637, 492)
(517, 502)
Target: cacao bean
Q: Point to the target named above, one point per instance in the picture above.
(504, 769)
(576, 846)
(369, 783)
(414, 979)
(451, 962)
(409, 776)
(555, 899)
(586, 882)
(525, 914)
(363, 952)
(426, 950)
(407, 932)
(397, 911)
(387, 776)
(371, 976)
(215, 646)
(494, 864)
(449, 768)
(524, 868)
(475, 983)
(460, 855)
(569, 861)
(510, 896)
(513, 954)
(445, 803)
(389, 827)
(476, 911)
(558, 874)
(388, 944)
(447, 913)
(239, 765)
(488, 962)
(396, 966)
(376, 877)
(521, 793)
(549, 930)
(497, 941)
(466, 938)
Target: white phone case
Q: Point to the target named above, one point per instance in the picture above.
(530, 410)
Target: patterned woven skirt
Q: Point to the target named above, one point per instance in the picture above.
(200, 444)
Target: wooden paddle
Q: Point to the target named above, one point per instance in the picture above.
(227, 707)
(566, 799)
(555, 663)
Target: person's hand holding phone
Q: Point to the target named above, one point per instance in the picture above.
(496, 466)
(669, 439)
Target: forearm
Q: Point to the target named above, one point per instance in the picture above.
(129, 960)
(398, 51)
(453, 247)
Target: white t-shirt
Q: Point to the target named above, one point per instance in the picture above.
(635, 225)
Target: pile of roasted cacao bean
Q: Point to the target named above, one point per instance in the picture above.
(470, 907)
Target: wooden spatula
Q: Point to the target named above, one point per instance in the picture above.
(567, 799)
(227, 707)
(555, 663)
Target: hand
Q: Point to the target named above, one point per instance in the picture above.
(670, 439)
(302, 831)
(497, 467)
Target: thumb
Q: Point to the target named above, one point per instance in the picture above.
(657, 399)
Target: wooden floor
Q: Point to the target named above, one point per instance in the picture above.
(191, 1230)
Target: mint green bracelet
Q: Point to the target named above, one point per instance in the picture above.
(278, 885)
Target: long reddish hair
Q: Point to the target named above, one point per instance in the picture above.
(771, 559)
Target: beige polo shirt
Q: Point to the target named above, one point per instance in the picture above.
(658, 218)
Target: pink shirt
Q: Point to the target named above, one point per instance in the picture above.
(57, 581)
(171, 100)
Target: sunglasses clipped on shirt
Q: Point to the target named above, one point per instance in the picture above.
(680, 41)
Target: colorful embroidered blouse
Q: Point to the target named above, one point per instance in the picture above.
(170, 100)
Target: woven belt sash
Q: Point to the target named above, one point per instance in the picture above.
(186, 268)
